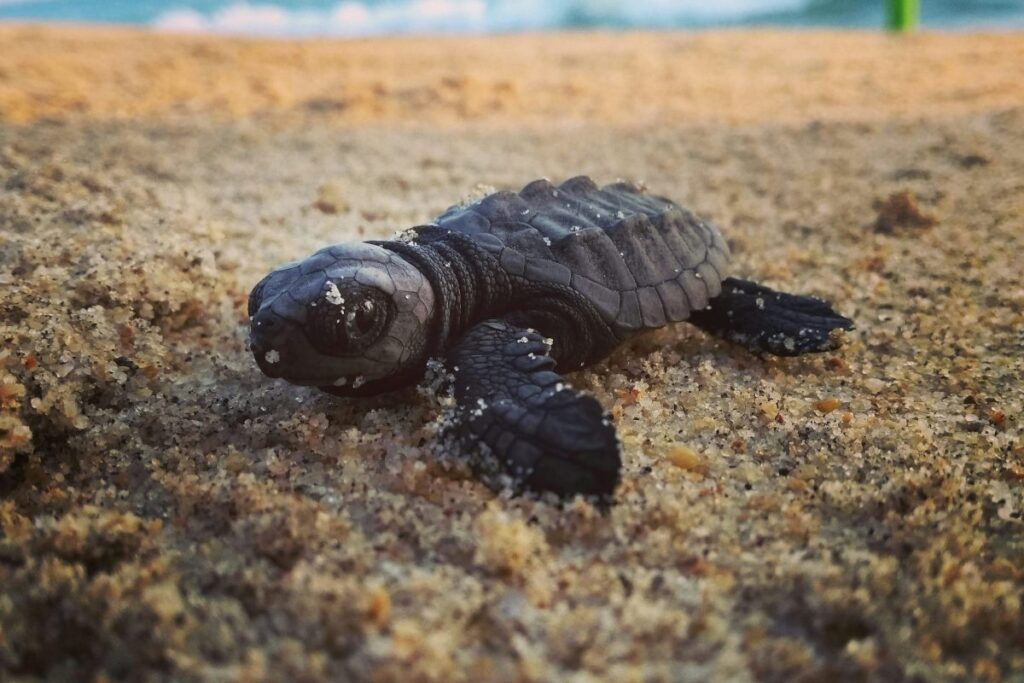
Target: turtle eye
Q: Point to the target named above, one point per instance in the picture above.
(346, 321)
(363, 322)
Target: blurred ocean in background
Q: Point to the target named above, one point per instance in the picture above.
(379, 17)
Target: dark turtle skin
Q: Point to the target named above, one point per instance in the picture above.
(510, 291)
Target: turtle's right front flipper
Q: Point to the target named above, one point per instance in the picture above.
(523, 424)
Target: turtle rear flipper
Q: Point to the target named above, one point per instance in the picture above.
(522, 423)
(766, 321)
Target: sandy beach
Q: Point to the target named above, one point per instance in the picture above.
(167, 513)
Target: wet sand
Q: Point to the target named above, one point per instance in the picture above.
(168, 513)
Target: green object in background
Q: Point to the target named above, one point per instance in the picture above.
(903, 15)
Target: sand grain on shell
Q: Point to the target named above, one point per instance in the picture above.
(167, 512)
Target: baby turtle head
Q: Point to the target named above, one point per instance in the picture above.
(349, 319)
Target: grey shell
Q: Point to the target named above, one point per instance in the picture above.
(642, 260)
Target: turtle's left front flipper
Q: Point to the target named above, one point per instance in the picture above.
(523, 424)
(767, 321)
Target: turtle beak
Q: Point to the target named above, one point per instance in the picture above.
(265, 329)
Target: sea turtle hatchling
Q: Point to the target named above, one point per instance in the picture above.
(509, 291)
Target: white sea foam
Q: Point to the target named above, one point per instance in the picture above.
(377, 17)
(353, 18)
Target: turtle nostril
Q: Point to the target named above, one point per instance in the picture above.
(264, 321)
(263, 329)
